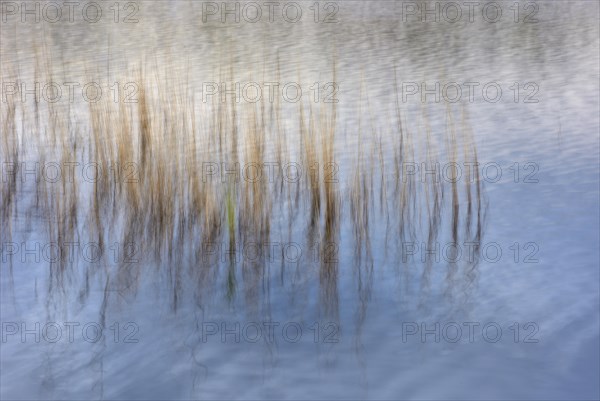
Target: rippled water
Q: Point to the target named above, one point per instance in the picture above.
(344, 308)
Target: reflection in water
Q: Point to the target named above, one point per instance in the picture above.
(343, 225)
(173, 198)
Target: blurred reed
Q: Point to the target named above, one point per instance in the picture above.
(153, 190)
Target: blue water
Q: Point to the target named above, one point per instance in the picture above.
(373, 324)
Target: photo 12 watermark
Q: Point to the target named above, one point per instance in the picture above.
(52, 12)
(469, 332)
(271, 92)
(270, 332)
(69, 251)
(68, 91)
(468, 11)
(453, 172)
(69, 332)
(270, 252)
(52, 172)
(268, 172)
(470, 252)
(471, 91)
(251, 12)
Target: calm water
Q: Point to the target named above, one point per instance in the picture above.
(368, 306)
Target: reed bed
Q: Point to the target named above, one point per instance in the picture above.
(154, 192)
